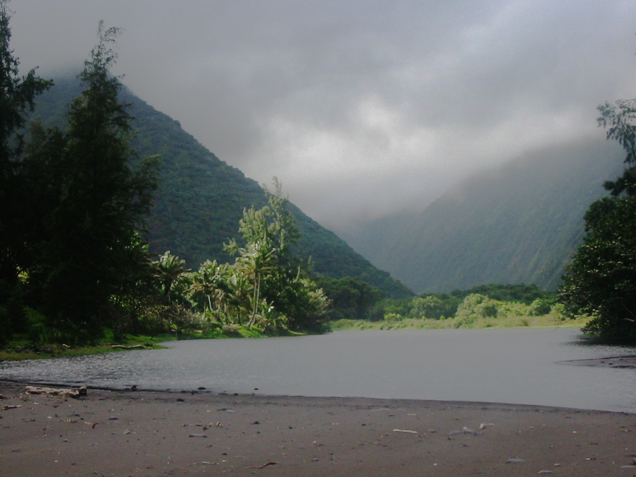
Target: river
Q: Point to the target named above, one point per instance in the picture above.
(508, 366)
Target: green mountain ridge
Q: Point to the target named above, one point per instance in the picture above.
(201, 199)
(519, 222)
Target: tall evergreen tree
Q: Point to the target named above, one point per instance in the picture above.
(96, 256)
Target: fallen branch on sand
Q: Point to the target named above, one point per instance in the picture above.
(271, 462)
(73, 392)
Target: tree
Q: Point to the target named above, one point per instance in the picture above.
(620, 118)
(280, 291)
(106, 196)
(349, 297)
(211, 281)
(168, 269)
(17, 95)
(601, 279)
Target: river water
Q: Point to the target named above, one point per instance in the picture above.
(505, 366)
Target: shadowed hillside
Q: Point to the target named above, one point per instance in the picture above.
(201, 198)
(517, 223)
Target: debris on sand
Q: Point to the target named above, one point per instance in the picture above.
(75, 393)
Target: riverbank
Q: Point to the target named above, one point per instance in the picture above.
(23, 350)
(542, 321)
(160, 433)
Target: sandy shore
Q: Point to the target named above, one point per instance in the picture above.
(158, 433)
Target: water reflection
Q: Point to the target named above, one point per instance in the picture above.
(512, 366)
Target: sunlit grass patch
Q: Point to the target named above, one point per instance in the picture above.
(464, 322)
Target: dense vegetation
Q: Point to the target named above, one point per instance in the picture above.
(266, 288)
(519, 223)
(75, 265)
(79, 264)
(601, 279)
(486, 306)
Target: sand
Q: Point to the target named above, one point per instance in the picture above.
(161, 433)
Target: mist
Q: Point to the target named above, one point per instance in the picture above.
(361, 109)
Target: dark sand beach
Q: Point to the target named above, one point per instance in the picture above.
(161, 433)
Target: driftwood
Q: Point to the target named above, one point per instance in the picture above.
(271, 462)
(129, 347)
(73, 392)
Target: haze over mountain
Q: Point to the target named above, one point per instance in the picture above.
(519, 222)
(201, 199)
(362, 108)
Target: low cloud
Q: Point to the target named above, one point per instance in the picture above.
(362, 109)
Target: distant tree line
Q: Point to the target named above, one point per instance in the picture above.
(439, 306)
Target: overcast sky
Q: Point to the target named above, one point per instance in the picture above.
(360, 108)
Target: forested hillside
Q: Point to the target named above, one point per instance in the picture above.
(517, 223)
(201, 199)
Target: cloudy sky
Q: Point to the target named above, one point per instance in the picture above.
(361, 108)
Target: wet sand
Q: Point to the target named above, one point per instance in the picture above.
(161, 433)
(610, 362)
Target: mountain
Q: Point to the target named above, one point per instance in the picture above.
(519, 222)
(201, 198)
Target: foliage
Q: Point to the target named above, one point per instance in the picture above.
(281, 294)
(601, 280)
(473, 311)
(509, 292)
(394, 322)
(17, 95)
(620, 118)
(73, 260)
(265, 291)
(435, 306)
(349, 297)
(95, 260)
(449, 305)
(500, 306)
(79, 269)
(168, 269)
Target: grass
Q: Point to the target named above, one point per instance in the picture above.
(24, 349)
(544, 321)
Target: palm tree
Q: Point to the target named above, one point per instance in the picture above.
(169, 269)
(211, 281)
(255, 262)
